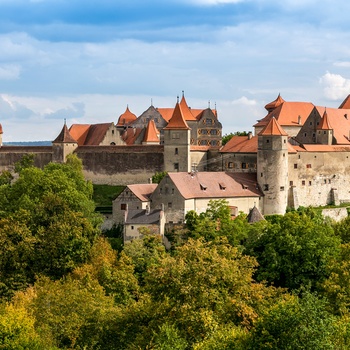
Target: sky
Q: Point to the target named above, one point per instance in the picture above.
(85, 61)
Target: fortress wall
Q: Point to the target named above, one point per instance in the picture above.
(121, 165)
(9, 155)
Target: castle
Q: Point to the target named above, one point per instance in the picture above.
(298, 155)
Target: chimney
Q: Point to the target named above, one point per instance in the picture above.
(148, 210)
(250, 135)
(299, 120)
(150, 180)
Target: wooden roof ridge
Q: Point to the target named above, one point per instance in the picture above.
(177, 121)
(65, 136)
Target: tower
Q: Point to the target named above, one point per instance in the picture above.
(63, 145)
(272, 167)
(1, 132)
(177, 135)
(324, 132)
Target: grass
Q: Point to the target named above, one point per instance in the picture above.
(105, 194)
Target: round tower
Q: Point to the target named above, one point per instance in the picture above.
(272, 167)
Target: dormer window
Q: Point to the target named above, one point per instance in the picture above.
(203, 187)
(222, 186)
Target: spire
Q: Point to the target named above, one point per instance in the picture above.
(277, 102)
(186, 111)
(64, 136)
(177, 121)
(151, 133)
(273, 128)
(324, 124)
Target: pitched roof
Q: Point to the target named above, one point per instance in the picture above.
(273, 128)
(210, 184)
(346, 103)
(139, 216)
(254, 215)
(151, 133)
(324, 124)
(130, 135)
(64, 136)
(89, 134)
(288, 114)
(79, 132)
(126, 118)
(242, 144)
(142, 191)
(275, 103)
(177, 120)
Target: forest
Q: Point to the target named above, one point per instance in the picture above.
(281, 283)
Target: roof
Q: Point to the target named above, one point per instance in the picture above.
(151, 133)
(288, 113)
(273, 128)
(126, 118)
(254, 215)
(242, 144)
(215, 184)
(177, 121)
(142, 191)
(79, 132)
(275, 103)
(64, 136)
(130, 135)
(339, 121)
(1, 132)
(346, 103)
(89, 134)
(324, 123)
(139, 216)
(323, 148)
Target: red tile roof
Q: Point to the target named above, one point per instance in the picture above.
(288, 114)
(64, 136)
(241, 144)
(273, 128)
(1, 132)
(126, 118)
(142, 191)
(346, 103)
(151, 133)
(272, 105)
(210, 185)
(177, 121)
(79, 132)
(324, 124)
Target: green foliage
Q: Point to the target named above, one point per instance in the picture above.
(158, 176)
(5, 177)
(27, 161)
(293, 250)
(47, 224)
(216, 222)
(103, 195)
(297, 323)
(227, 137)
(168, 338)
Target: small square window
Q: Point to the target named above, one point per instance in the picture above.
(308, 166)
(170, 205)
(303, 182)
(282, 188)
(266, 187)
(295, 166)
(290, 183)
(310, 183)
(123, 206)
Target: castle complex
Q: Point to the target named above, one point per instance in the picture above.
(298, 155)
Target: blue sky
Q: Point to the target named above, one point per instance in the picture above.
(87, 60)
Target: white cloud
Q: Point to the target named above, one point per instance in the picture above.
(244, 101)
(335, 86)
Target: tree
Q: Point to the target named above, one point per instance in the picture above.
(48, 224)
(227, 137)
(158, 176)
(27, 161)
(296, 323)
(293, 250)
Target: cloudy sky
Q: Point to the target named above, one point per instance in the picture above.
(86, 60)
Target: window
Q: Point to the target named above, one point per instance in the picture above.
(112, 143)
(266, 187)
(303, 182)
(156, 120)
(222, 186)
(172, 191)
(230, 164)
(244, 166)
(295, 166)
(176, 166)
(123, 206)
(267, 141)
(282, 188)
(290, 183)
(203, 187)
(213, 132)
(208, 121)
(170, 205)
(132, 227)
(175, 135)
(310, 183)
(112, 132)
(308, 166)
(213, 142)
(176, 150)
(261, 174)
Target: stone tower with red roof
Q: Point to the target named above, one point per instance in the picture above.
(272, 167)
(177, 136)
(63, 145)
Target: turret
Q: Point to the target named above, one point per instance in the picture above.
(324, 133)
(63, 145)
(272, 167)
(177, 135)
